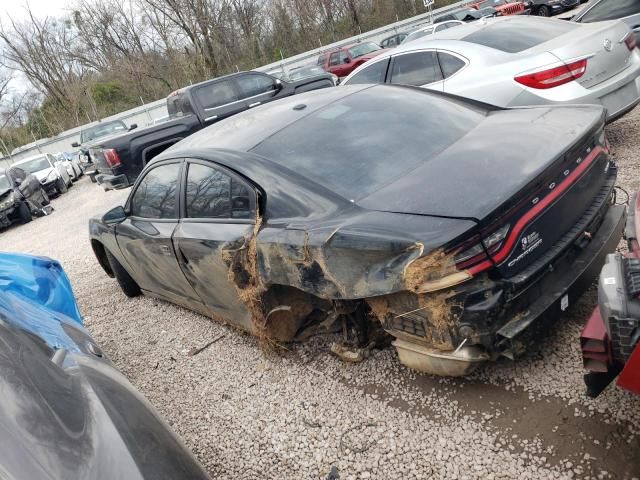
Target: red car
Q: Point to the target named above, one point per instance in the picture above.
(503, 7)
(344, 60)
(610, 341)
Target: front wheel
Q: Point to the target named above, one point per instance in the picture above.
(45, 197)
(127, 284)
(24, 212)
(543, 11)
(61, 186)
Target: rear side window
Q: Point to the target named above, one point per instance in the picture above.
(337, 58)
(155, 196)
(374, 73)
(449, 64)
(519, 34)
(419, 68)
(212, 193)
(216, 94)
(252, 84)
(611, 10)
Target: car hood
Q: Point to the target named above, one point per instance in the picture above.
(489, 165)
(3, 192)
(72, 415)
(43, 174)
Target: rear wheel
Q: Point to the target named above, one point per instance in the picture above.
(127, 284)
(92, 176)
(543, 11)
(24, 212)
(61, 186)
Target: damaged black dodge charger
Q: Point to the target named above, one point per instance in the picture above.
(458, 228)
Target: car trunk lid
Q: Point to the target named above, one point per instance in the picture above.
(602, 44)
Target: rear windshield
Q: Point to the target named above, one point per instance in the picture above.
(100, 131)
(519, 34)
(367, 140)
(178, 105)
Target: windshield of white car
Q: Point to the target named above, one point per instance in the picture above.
(363, 49)
(5, 184)
(419, 34)
(35, 165)
(100, 131)
(305, 72)
(518, 34)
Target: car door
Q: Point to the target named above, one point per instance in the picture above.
(257, 88)
(419, 69)
(145, 236)
(339, 63)
(218, 218)
(218, 99)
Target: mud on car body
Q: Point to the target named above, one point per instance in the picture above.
(424, 214)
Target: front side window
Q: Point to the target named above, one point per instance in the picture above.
(611, 10)
(252, 84)
(211, 193)
(337, 58)
(155, 196)
(372, 73)
(216, 94)
(419, 68)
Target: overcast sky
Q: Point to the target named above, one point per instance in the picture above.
(16, 8)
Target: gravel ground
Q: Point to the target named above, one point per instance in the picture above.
(248, 414)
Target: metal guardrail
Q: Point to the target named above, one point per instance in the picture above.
(154, 110)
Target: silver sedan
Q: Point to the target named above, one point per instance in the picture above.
(518, 61)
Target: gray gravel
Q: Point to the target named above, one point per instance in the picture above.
(250, 414)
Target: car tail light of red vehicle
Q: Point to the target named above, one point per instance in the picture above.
(554, 77)
(112, 157)
(631, 41)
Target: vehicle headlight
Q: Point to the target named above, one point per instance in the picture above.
(53, 175)
(7, 202)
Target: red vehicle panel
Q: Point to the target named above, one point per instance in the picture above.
(503, 7)
(598, 346)
(344, 60)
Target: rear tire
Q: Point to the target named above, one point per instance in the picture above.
(543, 11)
(127, 284)
(92, 176)
(24, 213)
(61, 186)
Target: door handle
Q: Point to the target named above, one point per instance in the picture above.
(255, 104)
(165, 250)
(213, 117)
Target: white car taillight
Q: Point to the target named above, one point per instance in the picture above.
(554, 77)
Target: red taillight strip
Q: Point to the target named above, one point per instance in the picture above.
(538, 208)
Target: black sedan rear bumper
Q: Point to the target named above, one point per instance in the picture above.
(564, 282)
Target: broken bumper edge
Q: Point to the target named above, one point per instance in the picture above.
(112, 182)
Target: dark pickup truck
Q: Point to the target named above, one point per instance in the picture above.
(120, 158)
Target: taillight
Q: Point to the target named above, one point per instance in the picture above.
(554, 76)
(477, 253)
(631, 41)
(112, 157)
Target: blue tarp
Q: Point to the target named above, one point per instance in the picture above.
(36, 296)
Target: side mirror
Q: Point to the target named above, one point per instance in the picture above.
(133, 126)
(278, 84)
(347, 60)
(115, 215)
(75, 144)
(18, 181)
